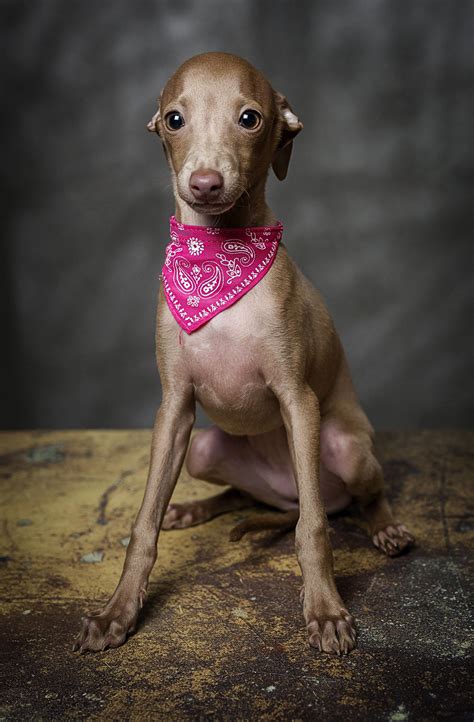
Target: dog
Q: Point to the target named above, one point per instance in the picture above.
(269, 369)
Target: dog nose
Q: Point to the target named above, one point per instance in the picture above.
(206, 184)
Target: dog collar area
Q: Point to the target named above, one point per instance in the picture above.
(208, 269)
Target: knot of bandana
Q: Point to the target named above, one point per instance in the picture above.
(207, 270)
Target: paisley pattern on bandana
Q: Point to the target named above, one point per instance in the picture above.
(207, 270)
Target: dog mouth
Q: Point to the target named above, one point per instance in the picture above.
(211, 208)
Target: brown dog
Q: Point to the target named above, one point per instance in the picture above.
(270, 370)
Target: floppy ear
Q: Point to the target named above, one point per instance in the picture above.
(288, 127)
(153, 125)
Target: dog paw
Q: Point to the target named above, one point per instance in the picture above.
(107, 628)
(394, 540)
(335, 634)
(180, 516)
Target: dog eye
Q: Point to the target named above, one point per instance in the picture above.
(250, 119)
(174, 120)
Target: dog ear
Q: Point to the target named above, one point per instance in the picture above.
(288, 127)
(153, 125)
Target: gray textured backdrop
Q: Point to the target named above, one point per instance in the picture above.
(377, 205)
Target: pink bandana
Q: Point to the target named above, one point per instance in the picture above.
(208, 269)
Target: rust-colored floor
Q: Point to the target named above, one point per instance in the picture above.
(222, 636)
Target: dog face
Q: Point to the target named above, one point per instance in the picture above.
(222, 125)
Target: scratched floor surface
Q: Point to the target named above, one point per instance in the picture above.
(222, 636)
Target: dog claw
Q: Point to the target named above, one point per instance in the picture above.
(106, 643)
(393, 540)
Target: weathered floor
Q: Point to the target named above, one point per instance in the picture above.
(222, 636)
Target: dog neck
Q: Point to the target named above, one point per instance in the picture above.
(207, 269)
(249, 210)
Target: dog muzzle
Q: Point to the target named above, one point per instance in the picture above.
(207, 270)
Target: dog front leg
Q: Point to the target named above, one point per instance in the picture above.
(330, 626)
(109, 627)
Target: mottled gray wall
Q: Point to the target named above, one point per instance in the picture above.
(376, 206)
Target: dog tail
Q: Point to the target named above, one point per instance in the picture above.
(281, 520)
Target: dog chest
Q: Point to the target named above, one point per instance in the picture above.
(225, 365)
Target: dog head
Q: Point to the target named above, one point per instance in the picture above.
(222, 126)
